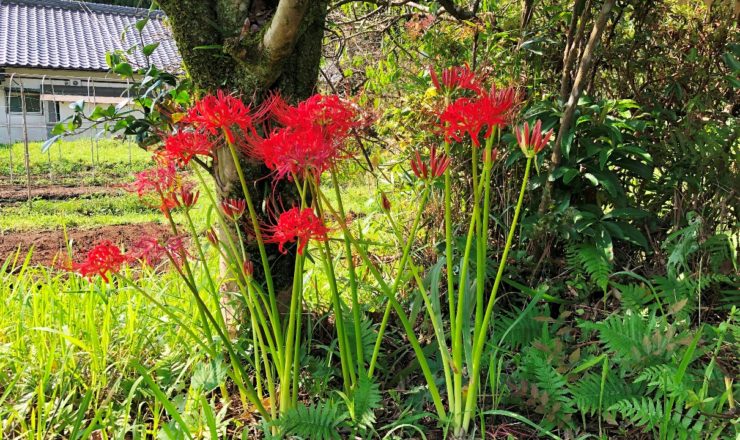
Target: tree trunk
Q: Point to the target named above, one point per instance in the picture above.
(566, 120)
(569, 54)
(253, 48)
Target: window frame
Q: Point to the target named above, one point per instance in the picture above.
(9, 97)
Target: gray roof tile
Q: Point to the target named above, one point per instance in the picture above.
(66, 34)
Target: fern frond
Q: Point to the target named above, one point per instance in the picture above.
(644, 412)
(315, 422)
(586, 257)
(587, 391)
(549, 390)
(522, 334)
(634, 297)
(635, 341)
(363, 402)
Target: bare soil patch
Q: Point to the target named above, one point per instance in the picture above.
(19, 193)
(49, 246)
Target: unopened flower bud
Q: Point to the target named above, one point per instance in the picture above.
(385, 202)
(248, 268)
(212, 236)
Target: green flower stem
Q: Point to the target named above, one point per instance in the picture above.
(257, 230)
(448, 239)
(437, 325)
(348, 368)
(286, 384)
(482, 240)
(202, 256)
(399, 275)
(273, 318)
(408, 328)
(356, 317)
(248, 389)
(212, 284)
(457, 342)
(480, 342)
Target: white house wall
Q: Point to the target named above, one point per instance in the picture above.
(38, 125)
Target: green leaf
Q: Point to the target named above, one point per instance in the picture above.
(632, 234)
(141, 24)
(604, 243)
(124, 69)
(208, 375)
(626, 213)
(731, 61)
(591, 178)
(162, 398)
(51, 141)
(149, 49)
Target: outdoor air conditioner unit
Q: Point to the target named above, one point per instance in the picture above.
(75, 83)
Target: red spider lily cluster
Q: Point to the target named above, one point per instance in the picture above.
(106, 257)
(220, 114)
(299, 225)
(454, 78)
(312, 136)
(100, 260)
(487, 110)
(308, 139)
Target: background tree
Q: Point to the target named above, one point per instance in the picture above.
(253, 48)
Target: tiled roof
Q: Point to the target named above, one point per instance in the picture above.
(66, 34)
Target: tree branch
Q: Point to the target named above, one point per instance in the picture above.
(281, 36)
(566, 120)
(456, 12)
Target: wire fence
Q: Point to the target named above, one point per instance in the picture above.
(44, 87)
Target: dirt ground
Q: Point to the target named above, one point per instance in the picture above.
(18, 193)
(49, 246)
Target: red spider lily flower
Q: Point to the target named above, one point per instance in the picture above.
(532, 142)
(334, 116)
(219, 114)
(148, 251)
(297, 225)
(160, 181)
(458, 77)
(188, 197)
(176, 248)
(462, 116)
(233, 208)
(437, 166)
(101, 259)
(182, 146)
(504, 98)
(287, 152)
(161, 178)
(312, 136)
(471, 115)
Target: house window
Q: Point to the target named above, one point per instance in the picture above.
(33, 103)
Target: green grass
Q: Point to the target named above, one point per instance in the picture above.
(73, 162)
(86, 212)
(75, 356)
(76, 212)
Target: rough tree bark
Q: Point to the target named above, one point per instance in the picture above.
(252, 47)
(566, 119)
